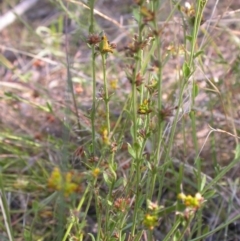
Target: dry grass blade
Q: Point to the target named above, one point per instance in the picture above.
(9, 17)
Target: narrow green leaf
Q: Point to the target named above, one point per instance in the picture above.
(92, 236)
(209, 194)
(138, 236)
(198, 54)
(5, 62)
(203, 182)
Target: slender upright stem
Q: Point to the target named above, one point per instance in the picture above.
(93, 112)
(159, 104)
(106, 95)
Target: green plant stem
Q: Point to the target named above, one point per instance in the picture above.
(112, 170)
(99, 217)
(106, 96)
(107, 212)
(174, 125)
(198, 17)
(160, 125)
(172, 230)
(159, 105)
(91, 5)
(93, 112)
(122, 226)
(120, 120)
(225, 224)
(136, 165)
(5, 210)
(134, 107)
(186, 227)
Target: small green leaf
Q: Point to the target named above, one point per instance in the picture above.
(237, 151)
(206, 230)
(49, 107)
(149, 166)
(137, 146)
(119, 182)
(177, 235)
(106, 179)
(35, 206)
(112, 170)
(131, 151)
(186, 70)
(124, 236)
(136, 14)
(8, 94)
(189, 38)
(191, 114)
(27, 234)
(195, 90)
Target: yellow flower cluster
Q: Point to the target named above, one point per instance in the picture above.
(144, 108)
(105, 137)
(190, 201)
(62, 182)
(150, 221)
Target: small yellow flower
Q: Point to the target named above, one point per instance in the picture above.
(147, 14)
(176, 50)
(105, 137)
(55, 179)
(181, 196)
(152, 86)
(96, 172)
(114, 84)
(104, 46)
(70, 188)
(144, 108)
